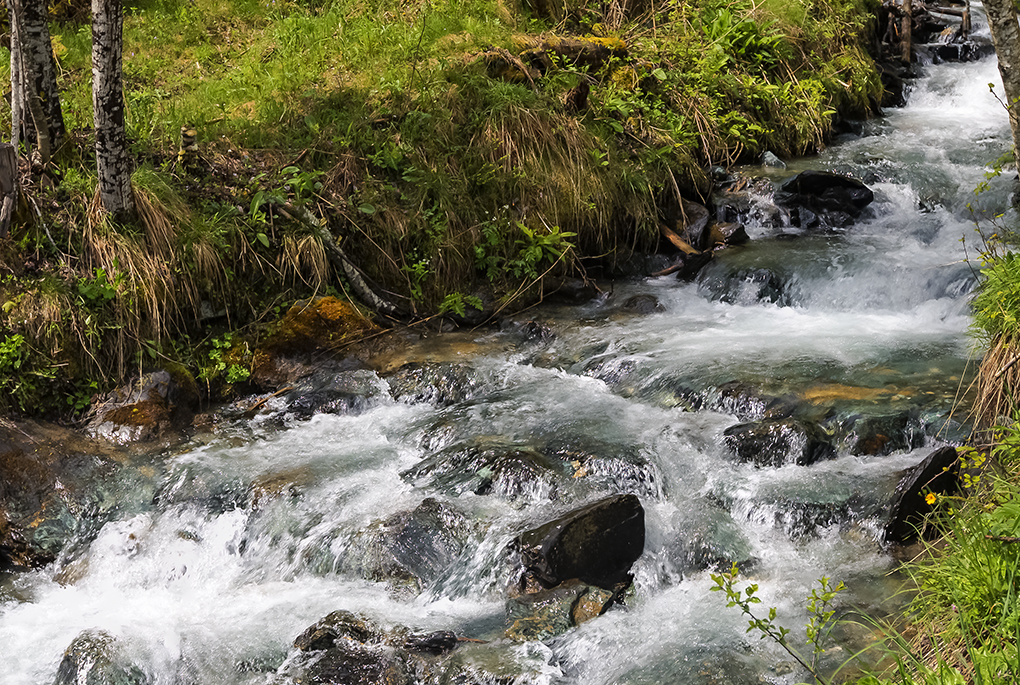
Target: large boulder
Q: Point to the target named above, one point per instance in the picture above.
(93, 658)
(597, 543)
(937, 474)
(824, 199)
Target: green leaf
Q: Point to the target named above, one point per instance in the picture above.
(367, 209)
(263, 238)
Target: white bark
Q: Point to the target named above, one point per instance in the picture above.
(1002, 20)
(37, 114)
(113, 161)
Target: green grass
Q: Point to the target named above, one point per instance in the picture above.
(436, 176)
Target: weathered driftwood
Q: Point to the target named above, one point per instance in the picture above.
(340, 260)
(905, 37)
(8, 186)
(679, 242)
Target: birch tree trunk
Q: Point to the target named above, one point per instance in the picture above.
(1002, 20)
(35, 100)
(112, 159)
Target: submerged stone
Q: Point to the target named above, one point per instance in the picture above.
(485, 466)
(831, 200)
(440, 384)
(547, 613)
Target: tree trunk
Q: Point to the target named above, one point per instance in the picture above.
(112, 159)
(1002, 20)
(33, 77)
(8, 186)
(906, 39)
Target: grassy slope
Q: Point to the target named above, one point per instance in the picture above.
(439, 177)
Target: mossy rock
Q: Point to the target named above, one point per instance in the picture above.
(322, 323)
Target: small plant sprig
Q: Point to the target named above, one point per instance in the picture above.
(818, 628)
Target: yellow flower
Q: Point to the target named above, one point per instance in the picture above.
(930, 498)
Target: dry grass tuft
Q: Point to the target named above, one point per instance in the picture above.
(997, 378)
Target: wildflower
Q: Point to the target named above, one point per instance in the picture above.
(930, 498)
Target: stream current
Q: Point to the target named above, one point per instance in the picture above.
(211, 584)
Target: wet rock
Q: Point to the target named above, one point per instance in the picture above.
(142, 410)
(621, 467)
(709, 538)
(769, 159)
(93, 658)
(693, 221)
(882, 434)
(596, 543)
(439, 384)
(725, 233)
(831, 200)
(748, 402)
(772, 285)
(347, 662)
(56, 486)
(775, 442)
(545, 614)
(347, 392)
(339, 625)
(938, 473)
(487, 465)
(692, 264)
(310, 326)
(672, 392)
(427, 540)
(436, 643)
(571, 290)
(643, 304)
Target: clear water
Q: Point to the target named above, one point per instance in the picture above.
(214, 581)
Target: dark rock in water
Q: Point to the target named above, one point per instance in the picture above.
(486, 466)
(747, 402)
(428, 540)
(937, 474)
(325, 632)
(347, 663)
(409, 550)
(691, 264)
(545, 614)
(643, 304)
(893, 87)
(347, 392)
(723, 233)
(94, 659)
(884, 434)
(671, 392)
(836, 199)
(437, 383)
(775, 442)
(571, 290)
(966, 51)
(622, 468)
(143, 409)
(709, 538)
(749, 286)
(56, 486)
(597, 543)
(439, 642)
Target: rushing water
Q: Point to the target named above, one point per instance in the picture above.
(211, 583)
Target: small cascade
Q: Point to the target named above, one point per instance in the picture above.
(761, 415)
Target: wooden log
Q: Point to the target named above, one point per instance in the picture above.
(679, 242)
(905, 38)
(8, 186)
